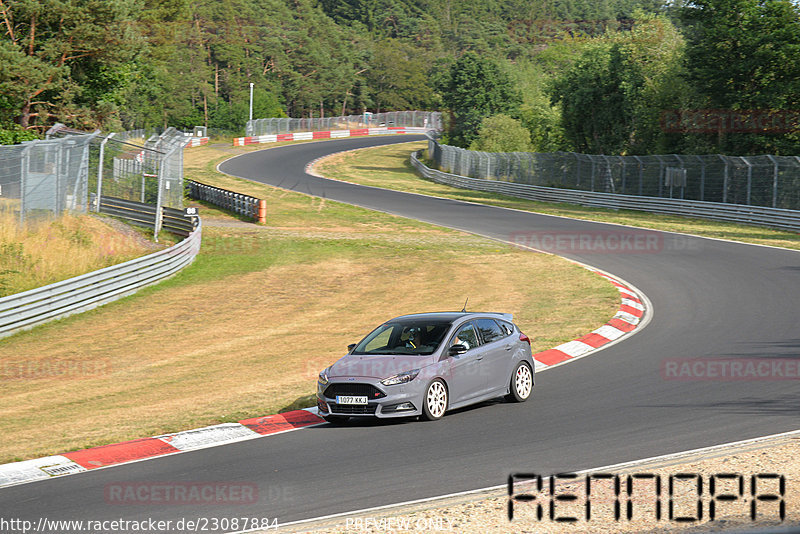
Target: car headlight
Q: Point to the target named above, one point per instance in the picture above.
(400, 378)
(323, 377)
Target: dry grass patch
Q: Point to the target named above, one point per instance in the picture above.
(42, 252)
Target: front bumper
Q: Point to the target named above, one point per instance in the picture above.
(401, 400)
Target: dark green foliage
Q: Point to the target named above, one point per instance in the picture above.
(477, 88)
(12, 135)
(745, 55)
(585, 75)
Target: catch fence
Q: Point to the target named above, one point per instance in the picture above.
(71, 171)
(768, 181)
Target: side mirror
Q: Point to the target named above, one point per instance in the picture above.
(456, 349)
(350, 347)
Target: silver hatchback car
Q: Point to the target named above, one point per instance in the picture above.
(427, 363)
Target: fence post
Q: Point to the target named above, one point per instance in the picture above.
(26, 160)
(774, 181)
(159, 196)
(702, 177)
(100, 170)
(683, 182)
(749, 178)
(660, 176)
(724, 180)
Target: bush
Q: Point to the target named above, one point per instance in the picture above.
(14, 134)
(501, 133)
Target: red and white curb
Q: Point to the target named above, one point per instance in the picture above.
(627, 318)
(333, 134)
(141, 449)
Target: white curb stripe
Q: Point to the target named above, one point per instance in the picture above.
(627, 292)
(575, 348)
(38, 468)
(210, 435)
(627, 317)
(632, 304)
(609, 332)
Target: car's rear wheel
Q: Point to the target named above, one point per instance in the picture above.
(336, 419)
(435, 403)
(521, 383)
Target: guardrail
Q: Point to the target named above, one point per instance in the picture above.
(761, 216)
(141, 214)
(55, 301)
(230, 200)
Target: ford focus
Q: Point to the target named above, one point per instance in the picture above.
(426, 364)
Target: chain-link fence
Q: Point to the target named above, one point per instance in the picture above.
(770, 181)
(42, 177)
(71, 171)
(398, 119)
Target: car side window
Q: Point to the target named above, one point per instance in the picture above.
(507, 328)
(466, 336)
(489, 330)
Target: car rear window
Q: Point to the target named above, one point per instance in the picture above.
(490, 330)
(507, 328)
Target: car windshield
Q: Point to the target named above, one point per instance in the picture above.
(404, 337)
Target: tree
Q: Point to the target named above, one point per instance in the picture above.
(501, 133)
(53, 50)
(397, 76)
(611, 98)
(476, 88)
(745, 55)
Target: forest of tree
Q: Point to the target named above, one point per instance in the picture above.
(587, 75)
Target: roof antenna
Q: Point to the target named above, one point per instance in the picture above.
(464, 310)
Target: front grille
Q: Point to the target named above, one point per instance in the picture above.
(364, 390)
(352, 409)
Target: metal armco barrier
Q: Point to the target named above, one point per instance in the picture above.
(761, 216)
(172, 220)
(37, 306)
(229, 200)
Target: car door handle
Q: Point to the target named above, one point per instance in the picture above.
(508, 347)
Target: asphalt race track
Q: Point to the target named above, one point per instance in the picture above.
(711, 299)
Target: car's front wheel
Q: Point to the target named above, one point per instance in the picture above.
(521, 383)
(435, 403)
(336, 419)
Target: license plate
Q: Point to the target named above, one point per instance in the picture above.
(351, 399)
